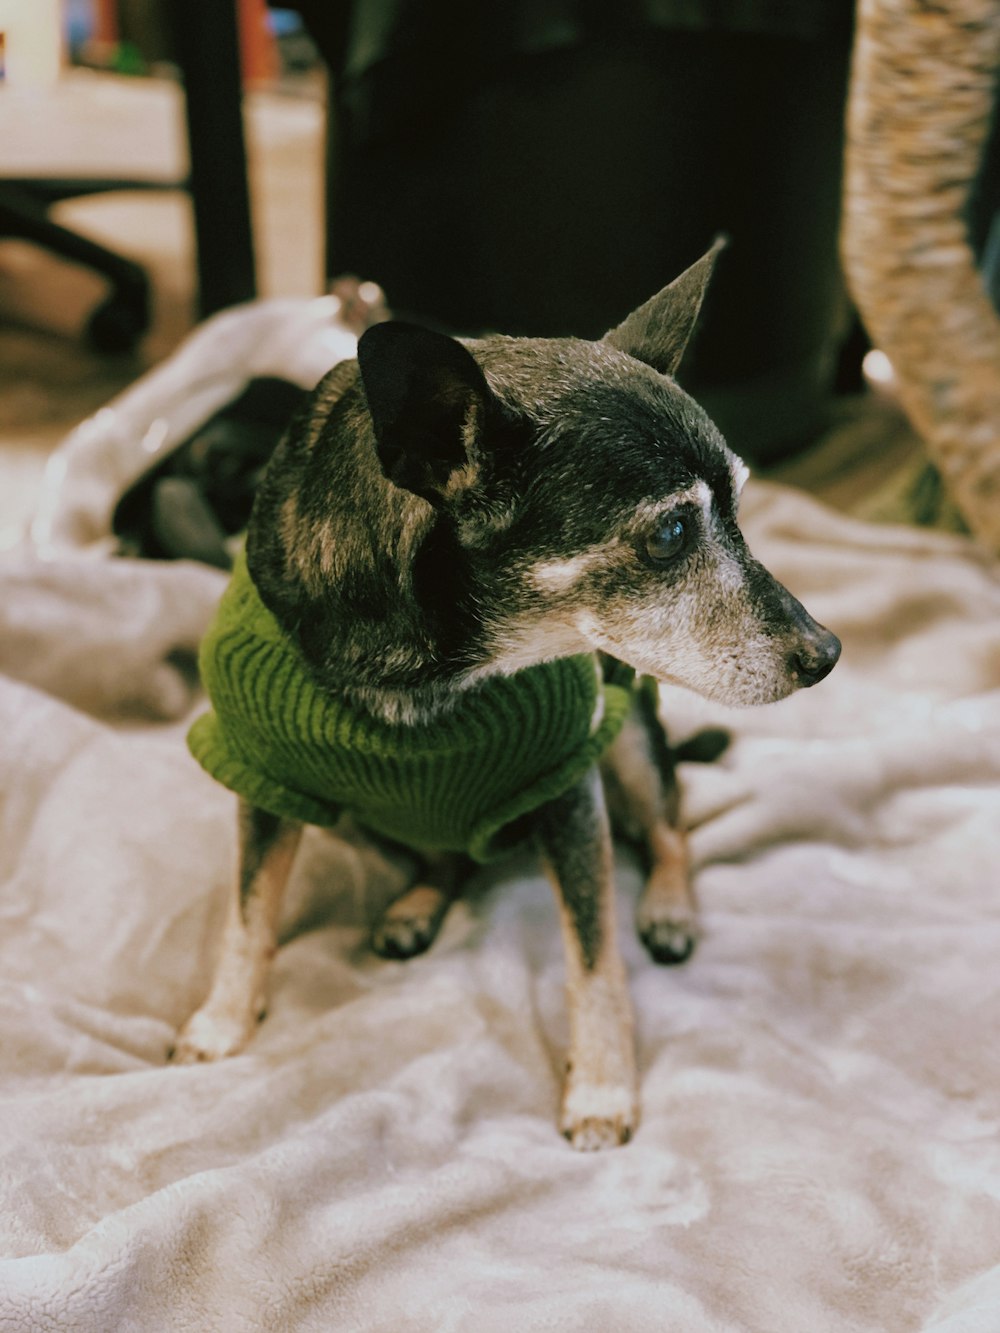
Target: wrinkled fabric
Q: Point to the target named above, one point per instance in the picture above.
(819, 1143)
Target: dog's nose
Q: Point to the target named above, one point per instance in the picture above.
(814, 661)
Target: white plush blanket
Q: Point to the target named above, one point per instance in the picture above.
(820, 1141)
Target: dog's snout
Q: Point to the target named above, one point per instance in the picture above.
(813, 661)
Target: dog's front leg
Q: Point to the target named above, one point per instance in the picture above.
(225, 1022)
(600, 1100)
(644, 796)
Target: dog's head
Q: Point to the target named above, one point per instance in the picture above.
(583, 501)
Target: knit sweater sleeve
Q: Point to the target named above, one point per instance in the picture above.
(220, 756)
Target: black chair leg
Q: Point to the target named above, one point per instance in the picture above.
(118, 323)
(207, 43)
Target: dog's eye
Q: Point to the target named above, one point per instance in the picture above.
(668, 541)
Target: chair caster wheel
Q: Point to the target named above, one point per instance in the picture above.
(117, 325)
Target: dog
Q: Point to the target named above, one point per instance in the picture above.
(455, 543)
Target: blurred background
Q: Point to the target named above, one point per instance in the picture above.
(536, 168)
(93, 97)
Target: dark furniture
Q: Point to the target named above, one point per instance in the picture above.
(207, 50)
(543, 168)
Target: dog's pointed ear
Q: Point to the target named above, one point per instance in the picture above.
(658, 332)
(428, 401)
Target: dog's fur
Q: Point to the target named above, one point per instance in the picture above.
(445, 512)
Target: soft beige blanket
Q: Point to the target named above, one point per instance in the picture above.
(820, 1142)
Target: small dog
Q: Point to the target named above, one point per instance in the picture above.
(452, 553)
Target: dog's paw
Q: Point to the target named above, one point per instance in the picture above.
(598, 1115)
(403, 939)
(210, 1036)
(666, 915)
(669, 939)
(410, 924)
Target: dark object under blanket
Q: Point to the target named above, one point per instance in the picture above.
(199, 496)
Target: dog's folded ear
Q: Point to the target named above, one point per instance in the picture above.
(658, 332)
(428, 401)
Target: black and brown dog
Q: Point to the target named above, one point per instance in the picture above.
(444, 513)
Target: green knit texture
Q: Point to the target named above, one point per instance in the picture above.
(463, 781)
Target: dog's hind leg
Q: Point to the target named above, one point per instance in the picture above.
(600, 1101)
(226, 1021)
(410, 924)
(644, 798)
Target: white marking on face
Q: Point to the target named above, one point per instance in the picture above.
(730, 574)
(740, 473)
(588, 627)
(558, 575)
(526, 643)
(699, 493)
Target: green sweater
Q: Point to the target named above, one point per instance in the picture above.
(460, 782)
